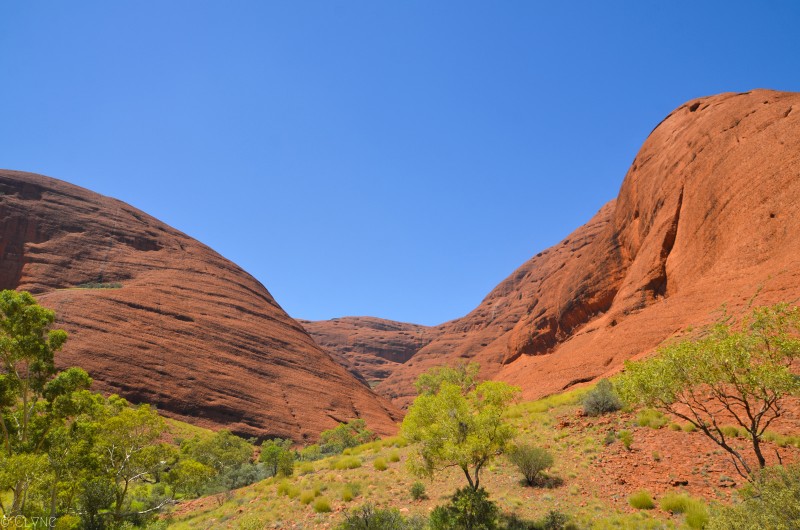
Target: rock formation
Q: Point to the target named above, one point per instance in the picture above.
(172, 323)
(707, 215)
(369, 347)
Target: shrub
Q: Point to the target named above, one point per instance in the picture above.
(468, 508)
(651, 418)
(380, 464)
(306, 468)
(394, 456)
(346, 462)
(601, 399)
(283, 487)
(418, 491)
(674, 426)
(770, 501)
(531, 461)
(689, 427)
(554, 520)
(68, 522)
(368, 517)
(350, 491)
(696, 515)
(674, 502)
(310, 453)
(732, 431)
(626, 438)
(641, 500)
(306, 496)
(322, 505)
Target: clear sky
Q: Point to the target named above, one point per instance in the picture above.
(386, 158)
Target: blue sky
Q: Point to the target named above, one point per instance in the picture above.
(395, 159)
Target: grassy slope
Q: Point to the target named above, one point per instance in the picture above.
(597, 477)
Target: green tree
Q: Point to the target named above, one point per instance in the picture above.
(227, 454)
(34, 399)
(462, 375)
(345, 435)
(128, 450)
(190, 477)
(454, 428)
(732, 372)
(278, 457)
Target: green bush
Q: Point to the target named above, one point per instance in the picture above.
(310, 453)
(626, 438)
(380, 464)
(674, 426)
(601, 399)
(696, 515)
(100, 285)
(651, 418)
(346, 462)
(641, 500)
(531, 461)
(68, 522)
(394, 456)
(771, 501)
(350, 491)
(322, 505)
(283, 487)
(306, 468)
(306, 496)
(418, 491)
(689, 427)
(468, 508)
(368, 517)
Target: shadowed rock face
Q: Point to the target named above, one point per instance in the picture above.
(188, 330)
(369, 347)
(708, 214)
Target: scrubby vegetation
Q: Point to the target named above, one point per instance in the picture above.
(103, 463)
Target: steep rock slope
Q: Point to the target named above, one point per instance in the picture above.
(708, 214)
(370, 347)
(187, 330)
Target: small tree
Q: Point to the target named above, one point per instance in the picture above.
(531, 461)
(278, 457)
(344, 436)
(740, 373)
(456, 429)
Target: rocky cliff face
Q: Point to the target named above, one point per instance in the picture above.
(708, 214)
(180, 326)
(369, 347)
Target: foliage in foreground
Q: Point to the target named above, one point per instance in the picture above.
(771, 501)
(368, 517)
(468, 509)
(90, 461)
(743, 372)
